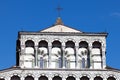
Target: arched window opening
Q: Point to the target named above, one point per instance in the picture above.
(15, 78)
(83, 55)
(70, 44)
(56, 44)
(56, 55)
(43, 43)
(70, 54)
(29, 57)
(97, 44)
(111, 78)
(83, 44)
(97, 55)
(57, 78)
(29, 78)
(43, 54)
(84, 78)
(98, 78)
(70, 78)
(43, 78)
(29, 47)
(29, 43)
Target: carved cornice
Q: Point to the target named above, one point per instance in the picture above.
(64, 33)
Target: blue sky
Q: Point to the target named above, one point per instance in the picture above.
(35, 15)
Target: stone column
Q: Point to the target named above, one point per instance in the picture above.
(77, 78)
(36, 56)
(22, 45)
(50, 78)
(63, 55)
(35, 78)
(104, 78)
(64, 78)
(7, 78)
(49, 54)
(22, 78)
(103, 57)
(91, 78)
(22, 49)
(90, 52)
(76, 56)
(22, 52)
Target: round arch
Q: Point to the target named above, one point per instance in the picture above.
(85, 40)
(98, 78)
(57, 39)
(84, 55)
(97, 40)
(43, 74)
(43, 43)
(29, 43)
(43, 39)
(69, 39)
(43, 78)
(96, 44)
(84, 78)
(111, 78)
(70, 44)
(70, 78)
(29, 78)
(83, 44)
(56, 43)
(15, 77)
(70, 54)
(57, 78)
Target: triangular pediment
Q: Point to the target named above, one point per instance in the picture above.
(60, 28)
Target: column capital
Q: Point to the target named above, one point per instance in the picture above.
(91, 78)
(50, 78)
(35, 78)
(22, 78)
(76, 44)
(49, 44)
(63, 44)
(63, 78)
(77, 78)
(90, 44)
(7, 78)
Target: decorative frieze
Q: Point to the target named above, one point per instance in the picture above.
(50, 73)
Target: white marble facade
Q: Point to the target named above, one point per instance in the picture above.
(60, 53)
(63, 51)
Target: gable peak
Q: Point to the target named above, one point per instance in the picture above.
(59, 21)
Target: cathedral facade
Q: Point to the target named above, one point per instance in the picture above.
(60, 53)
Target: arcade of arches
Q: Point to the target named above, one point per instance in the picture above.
(62, 56)
(58, 78)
